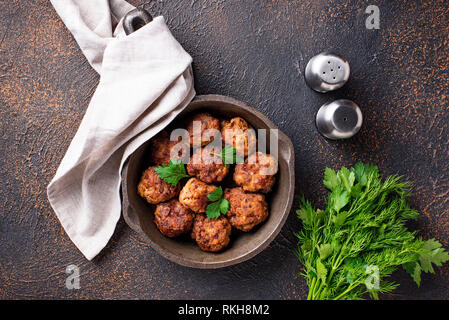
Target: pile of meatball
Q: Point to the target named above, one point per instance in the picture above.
(181, 209)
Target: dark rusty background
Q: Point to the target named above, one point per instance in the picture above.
(254, 51)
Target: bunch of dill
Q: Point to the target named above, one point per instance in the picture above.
(349, 248)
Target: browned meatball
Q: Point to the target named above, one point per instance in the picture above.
(238, 134)
(162, 146)
(194, 195)
(205, 129)
(211, 234)
(257, 173)
(154, 189)
(206, 166)
(173, 219)
(246, 209)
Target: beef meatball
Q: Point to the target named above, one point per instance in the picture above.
(162, 147)
(194, 195)
(154, 189)
(211, 234)
(173, 219)
(246, 209)
(206, 166)
(256, 174)
(202, 129)
(238, 134)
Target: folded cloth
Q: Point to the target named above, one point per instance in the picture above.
(145, 81)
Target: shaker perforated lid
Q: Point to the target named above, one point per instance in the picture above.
(327, 71)
(339, 119)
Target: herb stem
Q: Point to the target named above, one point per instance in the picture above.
(350, 288)
(311, 288)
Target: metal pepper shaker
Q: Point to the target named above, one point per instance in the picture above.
(339, 119)
(327, 71)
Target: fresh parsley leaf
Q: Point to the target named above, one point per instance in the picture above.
(306, 212)
(347, 178)
(363, 171)
(306, 245)
(321, 270)
(229, 156)
(331, 181)
(215, 195)
(359, 172)
(219, 205)
(340, 218)
(224, 206)
(356, 190)
(432, 252)
(173, 172)
(213, 210)
(338, 199)
(414, 269)
(325, 251)
(344, 178)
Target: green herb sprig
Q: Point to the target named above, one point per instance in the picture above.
(219, 204)
(173, 172)
(360, 239)
(229, 156)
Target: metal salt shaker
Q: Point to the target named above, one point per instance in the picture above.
(327, 71)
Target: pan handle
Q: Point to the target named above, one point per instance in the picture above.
(136, 19)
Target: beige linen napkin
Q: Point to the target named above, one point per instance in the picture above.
(145, 81)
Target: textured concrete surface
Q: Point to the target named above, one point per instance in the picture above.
(254, 51)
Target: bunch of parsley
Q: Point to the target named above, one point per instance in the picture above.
(360, 239)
